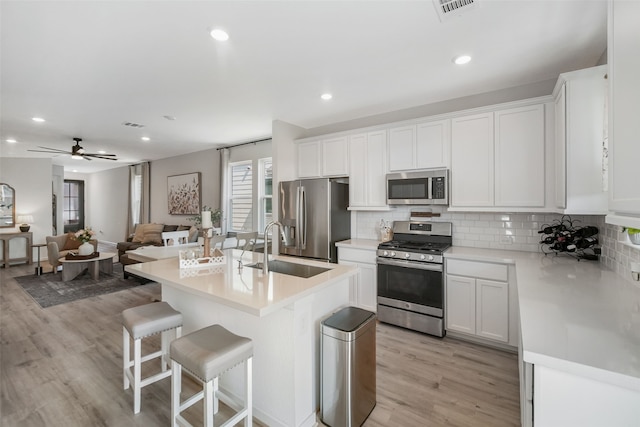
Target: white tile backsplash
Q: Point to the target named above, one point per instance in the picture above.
(509, 231)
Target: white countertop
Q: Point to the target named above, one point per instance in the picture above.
(154, 253)
(359, 244)
(576, 316)
(248, 290)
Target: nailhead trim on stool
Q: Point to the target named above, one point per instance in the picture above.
(140, 322)
(207, 353)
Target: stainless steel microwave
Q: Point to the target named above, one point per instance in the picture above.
(429, 187)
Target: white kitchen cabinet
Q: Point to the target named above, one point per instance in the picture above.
(477, 299)
(519, 157)
(367, 170)
(421, 146)
(579, 98)
(498, 159)
(335, 157)
(472, 172)
(323, 158)
(624, 126)
(309, 159)
(363, 291)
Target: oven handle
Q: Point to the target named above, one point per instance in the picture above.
(410, 264)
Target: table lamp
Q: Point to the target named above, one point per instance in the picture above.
(25, 220)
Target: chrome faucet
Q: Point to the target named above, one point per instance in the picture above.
(265, 261)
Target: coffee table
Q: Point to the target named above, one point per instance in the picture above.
(72, 268)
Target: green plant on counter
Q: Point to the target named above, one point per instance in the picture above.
(633, 230)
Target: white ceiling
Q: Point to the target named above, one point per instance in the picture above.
(88, 66)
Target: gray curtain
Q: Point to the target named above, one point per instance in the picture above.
(139, 196)
(224, 199)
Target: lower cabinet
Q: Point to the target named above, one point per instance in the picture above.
(363, 288)
(477, 299)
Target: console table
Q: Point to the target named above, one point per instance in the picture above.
(6, 243)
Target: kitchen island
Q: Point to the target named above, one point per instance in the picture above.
(279, 312)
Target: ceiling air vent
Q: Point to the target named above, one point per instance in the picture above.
(449, 8)
(132, 125)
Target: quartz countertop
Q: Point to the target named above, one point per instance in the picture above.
(576, 316)
(247, 289)
(370, 244)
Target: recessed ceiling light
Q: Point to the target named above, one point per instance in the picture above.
(219, 34)
(11, 141)
(38, 119)
(326, 96)
(101, 152)
(462, 59)
(170, 118)
(145, 138)
(75, 170)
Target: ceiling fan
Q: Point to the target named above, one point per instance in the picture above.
(77, 152)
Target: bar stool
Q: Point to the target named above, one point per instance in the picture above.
(140, 322)
(206, 354)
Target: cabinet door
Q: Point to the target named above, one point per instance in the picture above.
(472, 160)
(433, 143)
(376, 186)
(353, 283)
(624, 126)
(492, 310)
(402, 142)
(560, 148)
(461, 304)
(357, 171)
(309, 159)
(519, 157)
(335, 157)
(367, 287)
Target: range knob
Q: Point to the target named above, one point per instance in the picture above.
(385, 253)
(407, 255)
(423, 257)
(393, 254)
(431, 258)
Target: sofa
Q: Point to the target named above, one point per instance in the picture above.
(147, 235)
(60, 246)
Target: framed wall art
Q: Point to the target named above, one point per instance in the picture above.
(183, 194)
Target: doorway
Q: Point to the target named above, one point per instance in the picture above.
(73, 207)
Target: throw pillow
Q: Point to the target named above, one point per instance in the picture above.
(193, 234)
(170, 228)
(71, 243)
(153, 234)
(183, 227)
(139, 233)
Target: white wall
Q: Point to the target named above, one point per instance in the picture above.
(206, 162)
(31, 179)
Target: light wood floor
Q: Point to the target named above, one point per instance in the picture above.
(61, 366)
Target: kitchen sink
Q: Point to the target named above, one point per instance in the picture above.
(291, 269)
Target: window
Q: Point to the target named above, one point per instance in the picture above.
(265, 195)
(241, 197)
(73, 208)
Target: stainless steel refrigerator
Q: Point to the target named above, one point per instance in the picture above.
(315, 216)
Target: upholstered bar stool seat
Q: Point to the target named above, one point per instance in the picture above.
(206, 354)
(138, 323)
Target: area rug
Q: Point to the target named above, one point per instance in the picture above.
(48, 289)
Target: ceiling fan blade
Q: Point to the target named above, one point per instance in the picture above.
(51, 150)
(86, 158)
(100, 156)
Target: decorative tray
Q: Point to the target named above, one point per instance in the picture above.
(72, 256)
(196, 258)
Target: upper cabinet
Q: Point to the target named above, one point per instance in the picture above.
(498, 159)
(367, 171)
(420, 146)
(323, 158)
(580, 182)
(624, 125)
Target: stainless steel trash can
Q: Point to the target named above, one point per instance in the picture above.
(348, 367)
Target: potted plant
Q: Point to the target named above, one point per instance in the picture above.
(216, 217)
(634, 235)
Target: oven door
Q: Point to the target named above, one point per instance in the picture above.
(413, 286)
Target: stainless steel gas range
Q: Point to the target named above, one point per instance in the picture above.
(410, 276)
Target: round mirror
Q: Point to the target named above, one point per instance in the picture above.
(7, 206)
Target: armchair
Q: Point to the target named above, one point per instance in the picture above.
(57, 247)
